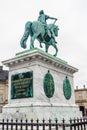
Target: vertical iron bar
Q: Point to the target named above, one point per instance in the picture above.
(31, 124)
(16, 124)
(21, 125)
(37, 124)
(43, 124)
(11, 124)
(78, 124)
(81, 123)
(74, 124)
(7, 125)
(26, 125)
(3, 124)
(63, 124)
(56, 125)
(49, 124)
(70, 124)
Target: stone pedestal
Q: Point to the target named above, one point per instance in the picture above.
(51, 89)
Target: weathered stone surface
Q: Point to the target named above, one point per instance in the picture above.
(40, 106)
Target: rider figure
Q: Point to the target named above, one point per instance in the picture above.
(42, 18)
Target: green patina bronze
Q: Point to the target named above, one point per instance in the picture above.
(67, 88)
(40, 30)
(22, 85)
(49, 87)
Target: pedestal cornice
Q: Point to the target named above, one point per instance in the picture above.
(35, 54)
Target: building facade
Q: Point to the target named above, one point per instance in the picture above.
(3, 87)
(81, 99)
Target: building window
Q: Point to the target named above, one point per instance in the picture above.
(80, 96)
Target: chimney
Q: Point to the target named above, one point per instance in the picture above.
(76, 87)
(83, 86)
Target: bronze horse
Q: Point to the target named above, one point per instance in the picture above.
(37, 31)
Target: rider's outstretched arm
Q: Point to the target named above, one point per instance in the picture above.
(53, 18)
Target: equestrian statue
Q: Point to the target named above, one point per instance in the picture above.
(43, 32)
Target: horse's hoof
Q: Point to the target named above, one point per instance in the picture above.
(23, 46)
(55, 55)
(31, 47)
(41, 46)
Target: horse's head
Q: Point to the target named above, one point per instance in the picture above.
(55, 29)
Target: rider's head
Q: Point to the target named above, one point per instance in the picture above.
(41, 12)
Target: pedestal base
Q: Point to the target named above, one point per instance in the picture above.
(46, 111)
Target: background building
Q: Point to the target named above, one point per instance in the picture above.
(3, 87)
(81, 99)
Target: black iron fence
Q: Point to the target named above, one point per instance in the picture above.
(75, 124)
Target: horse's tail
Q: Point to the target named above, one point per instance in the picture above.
(26, 34)
(29, 28)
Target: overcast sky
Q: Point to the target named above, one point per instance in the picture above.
(72, 22)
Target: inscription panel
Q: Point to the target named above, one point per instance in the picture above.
(22, 85)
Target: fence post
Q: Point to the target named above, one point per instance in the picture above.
(26, 124)
(11, 124)
(7, 124)
(56, 124)
(63, 124)
(31, 124)
(21, 124)
(49, 124)
(3, 124)
(37, 124)
(70, 124)
(16, 124)
(74, 124)
(81, 123)
(43, 124)
(78, 123)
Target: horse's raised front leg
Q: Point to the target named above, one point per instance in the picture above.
(55, 49)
